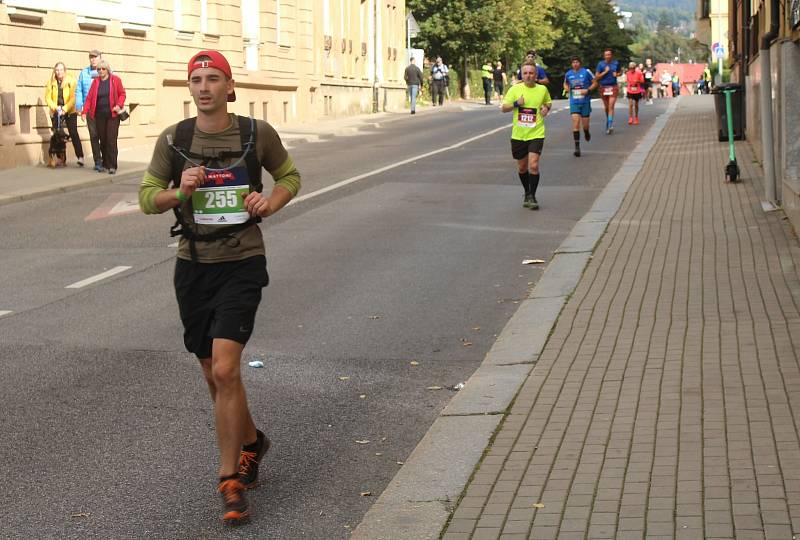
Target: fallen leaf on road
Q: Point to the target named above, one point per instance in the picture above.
(414, 363)
(383, 439)
(399, 462)
(344, 378)
(363, 396)
(476, 328)
(467, 344)
(80, 514)
(538, 505)
(375, 317)
(533, 261)
(365, 441)
(366, 493)
(378, 453)
(434, 388)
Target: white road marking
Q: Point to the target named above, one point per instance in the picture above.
(4, 313)
(99, 277)
(125, 206)
(354, 179)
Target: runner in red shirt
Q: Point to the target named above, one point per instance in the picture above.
(635, 80)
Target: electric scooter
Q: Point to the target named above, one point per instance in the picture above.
(732, 168)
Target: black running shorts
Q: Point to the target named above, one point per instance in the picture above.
(521, 149)
(218, 300)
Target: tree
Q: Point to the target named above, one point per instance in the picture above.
(467, 33)
(460, 29)
(586, 37)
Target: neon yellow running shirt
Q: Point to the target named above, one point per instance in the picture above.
(528, 121)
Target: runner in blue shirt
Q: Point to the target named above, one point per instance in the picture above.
(578, 83)
(542, 77)
(608, 70)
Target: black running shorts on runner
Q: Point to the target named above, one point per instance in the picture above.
(520, 149)
(218, 300)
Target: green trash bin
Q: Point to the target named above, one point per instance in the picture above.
(737, 111)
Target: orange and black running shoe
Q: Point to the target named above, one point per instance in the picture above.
(248, 461)
(233, 501)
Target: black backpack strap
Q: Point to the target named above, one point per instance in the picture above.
(249, 136)
(184, 133)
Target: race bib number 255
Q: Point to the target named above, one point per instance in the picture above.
(220, 201)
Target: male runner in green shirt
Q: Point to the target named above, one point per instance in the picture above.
(221, 264)
(531, 103)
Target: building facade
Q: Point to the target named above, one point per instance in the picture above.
(771, 27)
(712, 23)
(294, 61)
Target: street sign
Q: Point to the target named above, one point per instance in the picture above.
(413, 26)
(719, 50)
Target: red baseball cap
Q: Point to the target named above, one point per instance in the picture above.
(214, 60)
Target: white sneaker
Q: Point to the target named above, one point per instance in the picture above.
(80, 162)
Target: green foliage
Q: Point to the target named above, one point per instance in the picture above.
(475, 31)
(585, 38)
(666, 45)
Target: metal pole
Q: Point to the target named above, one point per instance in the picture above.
(375, 56)
(767, 139)
(767, 146)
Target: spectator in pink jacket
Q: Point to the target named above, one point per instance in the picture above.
(104, 102)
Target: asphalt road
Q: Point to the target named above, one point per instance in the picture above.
(107, 429)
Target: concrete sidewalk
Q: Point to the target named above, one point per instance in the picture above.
(666, 401)
(23, 183)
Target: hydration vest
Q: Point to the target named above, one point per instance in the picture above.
(184, 133)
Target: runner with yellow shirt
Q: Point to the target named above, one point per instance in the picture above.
(531, 103)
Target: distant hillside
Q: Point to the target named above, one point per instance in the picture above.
(656, 15)
(677, 5)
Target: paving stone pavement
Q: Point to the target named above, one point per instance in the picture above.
(666, 402)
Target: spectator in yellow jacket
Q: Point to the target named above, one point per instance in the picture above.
(60, 98)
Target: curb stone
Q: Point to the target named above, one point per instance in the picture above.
(64, 187)
(418, 501)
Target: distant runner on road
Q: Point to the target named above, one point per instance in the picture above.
(214, 164)
(531, 103)
(635, 80)
(578, 83)
(649, 73)
(607, 72)
(542, 76)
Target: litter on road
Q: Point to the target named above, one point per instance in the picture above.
(256, 363)
(533, 261)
